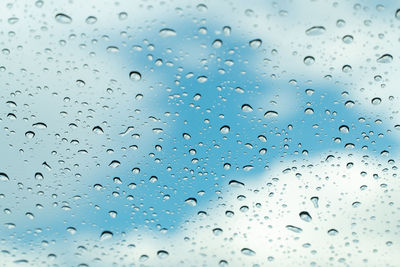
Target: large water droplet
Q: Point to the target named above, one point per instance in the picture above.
(386, 58)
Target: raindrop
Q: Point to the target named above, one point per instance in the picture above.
(4, 177)
(397, 14)
(106, 235)
(315, 30)
(225, 129)
(63, 18)
(98, 130)
(332, 232)
(166, 32)
(314, 200)
(247, 108)
(247, 252)
(344, 129)
(386, 58)
(162, 254)
(191, 201)
(217, 43)
(29, 134)
(135, 76)
(376, 101)
(294, 228)
(270, 114)
(347, 39)
(305, 216)
(91, 20)
(256, 43)
(309, 60)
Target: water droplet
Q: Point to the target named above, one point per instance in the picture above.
(247, 252)
(344, 129)
(39, 125)
(98, 130)
(308, 111)
(63, 18)
(247, 108)
(305, 216)
(315, 30)
(217, 231)
(162, 254)
(112, 49)
(114, 164)
(294, 228)
(256, 43)
(135, 76)
(123, 15)
(309, 60)
(202, 79)
(332, 232)
(270, 114)
(91, 20)
(225, 129)
(71, 230)
(13, 20)
(235, 183)
(4, 177)
(397, 14)
(191, 201)
(386, 58)
(314, 200)
(29, 134)
(186, 136)
(106, 235)
(376, 101)
(347, 39)
(166, 32)
(356, 204)
(217, 43)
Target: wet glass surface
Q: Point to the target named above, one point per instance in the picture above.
(186, 133)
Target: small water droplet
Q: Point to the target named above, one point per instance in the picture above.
(247, 108)
(305, 216)
(314, 200)
(256, 43)
(332, 232)
(63, 18)
(376, 101)
(344, 129)
(315, 30)
(294, 228)
(225, 129)
(309, 60)
(106, 235)
(91, 20)
(191, 201)
(135, 76)
(270, 114)
(166, 32)
(347, 39)
(247, 252)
